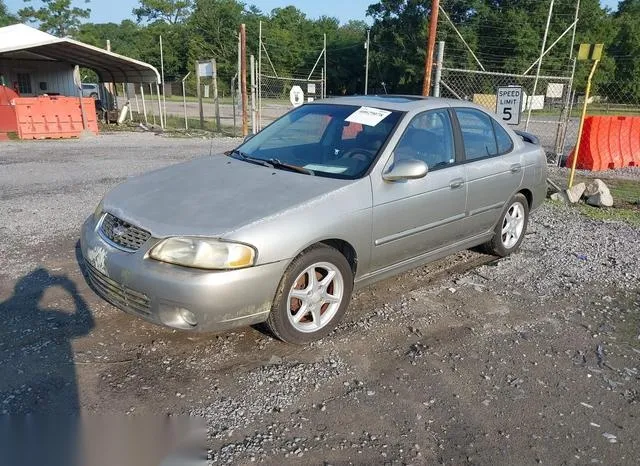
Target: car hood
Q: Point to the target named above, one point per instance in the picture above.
(211, 196)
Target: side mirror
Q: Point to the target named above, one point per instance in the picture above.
(406, 170)
(248, 136)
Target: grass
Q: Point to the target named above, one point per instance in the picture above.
(175, 127)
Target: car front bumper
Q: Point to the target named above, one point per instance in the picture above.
(161, 293)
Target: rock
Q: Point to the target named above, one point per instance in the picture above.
(598, 194)
(575, 192)
(560, 197)
(594, 187)
(601, 200)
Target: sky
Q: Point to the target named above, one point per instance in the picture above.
(104, 11)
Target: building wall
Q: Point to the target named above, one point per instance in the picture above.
(58, 77)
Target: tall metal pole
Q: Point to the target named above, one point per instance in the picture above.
(144, 105)
(239, 83)
(184, 100)
(159, 105)
(216, 99)
(366, 69)
(252, 64)
(164, 98)
(243, 78)
(431, 45)
(575, 25)
(535, 82)
(199, 94)
(325, 66)
(438, 77)
(259, 117)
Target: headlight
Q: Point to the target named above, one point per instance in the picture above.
(203, 253)
(98, 212)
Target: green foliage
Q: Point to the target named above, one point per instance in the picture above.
(505, 35)
(169, 11)
(57, 17)
(5, 17)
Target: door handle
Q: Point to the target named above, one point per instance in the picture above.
(516, 167)
(456, 183)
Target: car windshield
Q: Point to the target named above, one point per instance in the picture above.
(337, 141)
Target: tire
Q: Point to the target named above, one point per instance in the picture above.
(94, 95)
(304, 309)
(504, 243)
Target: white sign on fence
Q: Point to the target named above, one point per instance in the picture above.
(509, 104)
(555, 90)
(296, 96)
(311, 88)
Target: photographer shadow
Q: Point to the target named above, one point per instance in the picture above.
(37, 369)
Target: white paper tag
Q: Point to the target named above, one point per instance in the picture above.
(368, 116)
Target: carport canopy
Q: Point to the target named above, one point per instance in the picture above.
(21, 41)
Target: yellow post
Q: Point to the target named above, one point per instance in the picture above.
(584, 113)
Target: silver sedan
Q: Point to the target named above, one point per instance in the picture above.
(333, 196)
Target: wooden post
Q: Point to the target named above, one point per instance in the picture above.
(216, 100)
(431, 45)
(243, 79)
(199, 94)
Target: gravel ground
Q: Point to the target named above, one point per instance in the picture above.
(531, 359)
(50, 187)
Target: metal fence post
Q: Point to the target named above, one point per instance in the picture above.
(252, 63)
(144, 105)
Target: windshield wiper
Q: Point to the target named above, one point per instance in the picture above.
(287, 166)
(248, 158)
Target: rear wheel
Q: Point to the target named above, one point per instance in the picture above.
(312, 297)
(511, 228)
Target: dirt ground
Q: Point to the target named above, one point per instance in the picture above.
(531, 359)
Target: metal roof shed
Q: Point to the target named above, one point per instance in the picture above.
(22, 43)
(110, 67)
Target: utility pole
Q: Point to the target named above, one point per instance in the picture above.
(366, 70)
(431, 45)
(243, 78)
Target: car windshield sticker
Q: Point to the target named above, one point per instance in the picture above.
(326, 168)
(368, 116)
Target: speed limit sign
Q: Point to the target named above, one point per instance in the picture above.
(509, 104)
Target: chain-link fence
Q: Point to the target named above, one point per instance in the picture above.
(274, 95)
(545, 113)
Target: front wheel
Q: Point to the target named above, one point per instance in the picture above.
(511, 228)
(312, 297)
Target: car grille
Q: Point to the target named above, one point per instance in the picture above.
(117, 294)
(123, 234)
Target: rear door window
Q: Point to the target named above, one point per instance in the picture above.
(478, 134)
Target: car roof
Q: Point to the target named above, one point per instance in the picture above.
(403, 103)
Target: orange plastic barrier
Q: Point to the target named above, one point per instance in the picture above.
(53, 117)
(8, 123)
(608, 142)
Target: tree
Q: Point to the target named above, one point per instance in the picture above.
(626, 52)
(57, 17)
(5, 17)
(168, 11)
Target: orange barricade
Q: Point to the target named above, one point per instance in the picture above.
(53, 117)
(8, 123)
(608, 142)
